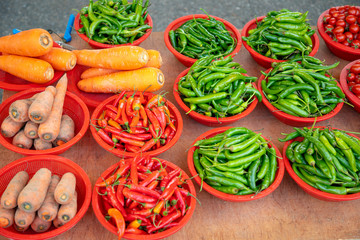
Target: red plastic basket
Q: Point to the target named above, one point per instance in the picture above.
(59, 166)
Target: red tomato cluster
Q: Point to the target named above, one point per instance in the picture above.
(353, 79)
(342, 24)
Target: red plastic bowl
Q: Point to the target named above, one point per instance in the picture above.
(210, 121)
(340, 50)
(12, 83)
(59, 166)
(100, 211)
(266, 61)
(309, 189)
(73, 106)
(229, 197)
(187, 61)
(95, 44)
(344, 84)
(293, 120)
(173, 111)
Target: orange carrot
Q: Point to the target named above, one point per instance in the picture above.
(13, 189)
(57, 223)
(30, 69)
(40, 109)
(149, 79)
(49, 130)
(9, 127)
(155, 59)
(67, 131)
(20, 229)
(19, 109)
(22, 141)
(39, 225)
(95, 72)
(120, 58)
(65, 190)
(60, 59)
(6, 217)
(30, 130)
(24, 219)
(49, 208)
(68, 211)
(33, 195)
(41, 145)
(31, 43)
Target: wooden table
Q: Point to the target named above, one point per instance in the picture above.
(287, 213)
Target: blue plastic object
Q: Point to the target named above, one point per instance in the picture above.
(69, 27)
(15, 31)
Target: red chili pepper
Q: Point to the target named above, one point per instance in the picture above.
(142, 99)
(136, 104)
(157, 209)
(152, 131)
(120, 172)
(160, 115)
(158, 144)
(119, 194)
(170, 188)
(143, 190)
(134, 172)
(132, 148)
(129, 103)
(119, 219)
(166, 132)
(150, 164)
(103, 123)
(153, 121)
(107, 202)
(151, 186)
(114, 201)
(165, 221)
(114, 124)
(121, 106)
(170, 137)
(184, 192)
(138, 130)
(112, 130)
(130, 141)
(142, 176)
(124, 117)
(120, 96)
(102, 115)
(152, 177)
(154, 101)
(181, 201)
(112, 115)
(168, 116)
(142, 169)
(167, 178)
(111, 108)
(143, 116)
(149, 144)
(143, 212)
(135, 231)
(132, 217)
(135, 119)
(104, 136)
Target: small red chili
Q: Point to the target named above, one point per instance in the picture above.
(167, 178)
(132, 148)
(119, 219)
(110, 192)
(119, 194)
(165, 221)
(135, 119)
(160, 115)
(143, 116)
(134, 172)
(119, 97)
(154, 101)
(130, 141)
(149, 144)
(112, 115)
(120, 172)
(149, 179)
(143, 212)
(180, 200)
(121, 106)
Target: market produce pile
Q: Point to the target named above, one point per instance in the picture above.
(353, 78)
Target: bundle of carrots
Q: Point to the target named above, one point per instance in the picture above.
(30, 55)
(122, 68)
(136, 123)
(143, 196)
(39, 121)
(44, 200)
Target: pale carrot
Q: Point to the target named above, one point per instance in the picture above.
(30, 130)
(9, 127)
(49, 130)
(6, 217)
(65, 190)
(67, 131)
(57, 223)
(19, 109)
(68, 211)
(155, 59)
(40, 109)
(60, 59)
(41, 145)
(39, 225)
(30, 69)
(13, 189)
(49, 208)
(95, 72)
(149, 79)
(120, 58)
(31, 43)
(23, 219)
(33, 195)
(22, 141)
(20, 229)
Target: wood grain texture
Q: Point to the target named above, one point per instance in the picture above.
(287, 213)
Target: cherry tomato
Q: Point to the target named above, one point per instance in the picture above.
(349, 36)
(340, 37)
(352, 11)
(341, 16)
(332, 21)
(355, 68)
(338, 30)
(335, 14)
(332, 10)
(346, 43)
(341, 9)
(354, 28)
(357, 79)
(329, 28)
(351, 77)
(340, 23)
(351, 84)
(326, 18)
(356, 89)
(347, 7)
(350, 19)
(355, 44)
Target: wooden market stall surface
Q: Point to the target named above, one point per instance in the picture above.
(287, 213)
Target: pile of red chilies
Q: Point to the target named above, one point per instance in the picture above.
(150, 197)
(135, 124)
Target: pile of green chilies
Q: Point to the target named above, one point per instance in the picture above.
(327, 159)
(304, 89)
(114, 21)
(237, 161)
(281, 35)
(217, 88)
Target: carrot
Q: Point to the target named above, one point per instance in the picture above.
(57, 223)
(13, 189)
(9, 127)
(41, 145)
(149, 79)
(49, 208)
(19, 109)
(60, 59)
(33, 195)
(67, 131)
(120, 58)
(31, 43)
(30, 69)
(20, 229)
(39, 225)
(68, 211)
(40, 109)
(30, 130)
(22, 141)
(65, 190)
(155, 59)
(6, 217)
(23, 219)
(49, 130)
(95, 72)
